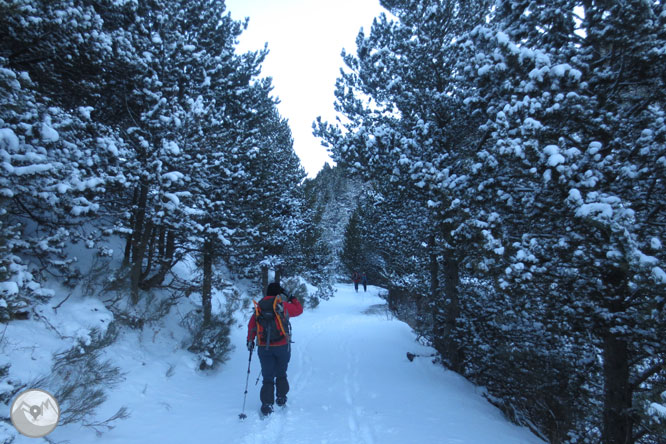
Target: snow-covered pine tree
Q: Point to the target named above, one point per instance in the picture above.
(334, 193)
(59, 163)
(243, 173)
(62, 167)
(352, 255)
(405, 129)
(519, 76)
(571, 167)
(15, 280)
(155, 112)
(313, 257)
(272, 197)
(221, 107)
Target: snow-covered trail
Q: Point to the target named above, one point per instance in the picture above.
(350, 383)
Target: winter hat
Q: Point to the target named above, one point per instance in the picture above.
(273, 289)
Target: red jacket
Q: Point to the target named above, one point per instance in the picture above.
(293, 308)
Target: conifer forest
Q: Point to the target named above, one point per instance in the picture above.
(499, 169)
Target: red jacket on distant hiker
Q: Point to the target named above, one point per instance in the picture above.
(356, 277)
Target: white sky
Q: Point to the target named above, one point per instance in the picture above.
(305, 39)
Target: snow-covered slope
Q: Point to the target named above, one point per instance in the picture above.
(350, 383)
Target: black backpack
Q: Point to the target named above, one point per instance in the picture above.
(272, 320)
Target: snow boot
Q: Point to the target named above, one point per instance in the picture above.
(281, 390)
(266, 409)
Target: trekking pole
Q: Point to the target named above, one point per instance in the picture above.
(411, 356)
(247, 380)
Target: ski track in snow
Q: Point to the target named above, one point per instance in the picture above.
(350, 383)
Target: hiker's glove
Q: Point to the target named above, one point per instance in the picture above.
(250, 345)
(284, 292)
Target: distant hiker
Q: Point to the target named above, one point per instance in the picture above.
(270, 325)
(356, 277)
(364, 281)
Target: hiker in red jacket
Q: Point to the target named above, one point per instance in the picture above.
(270, 325)
(356, 278)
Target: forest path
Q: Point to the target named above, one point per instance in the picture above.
(350, 383)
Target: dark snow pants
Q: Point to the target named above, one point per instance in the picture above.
(274, 361)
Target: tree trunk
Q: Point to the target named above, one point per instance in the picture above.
(264, 279)
(151, 253)
(128, 251)
(139, 216)
(393, 297)
(434, 275)
(452, 311)
(161, 244)
(278, 273)
(166, 262)
(430, 310)
(137, 261)
(128, 242)
(206, 287)
(139, 241)
(618, 425)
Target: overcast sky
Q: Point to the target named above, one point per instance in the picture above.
(305, 38)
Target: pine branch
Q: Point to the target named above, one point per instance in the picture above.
(647, 374)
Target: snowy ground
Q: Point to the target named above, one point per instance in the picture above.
(350, 383)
